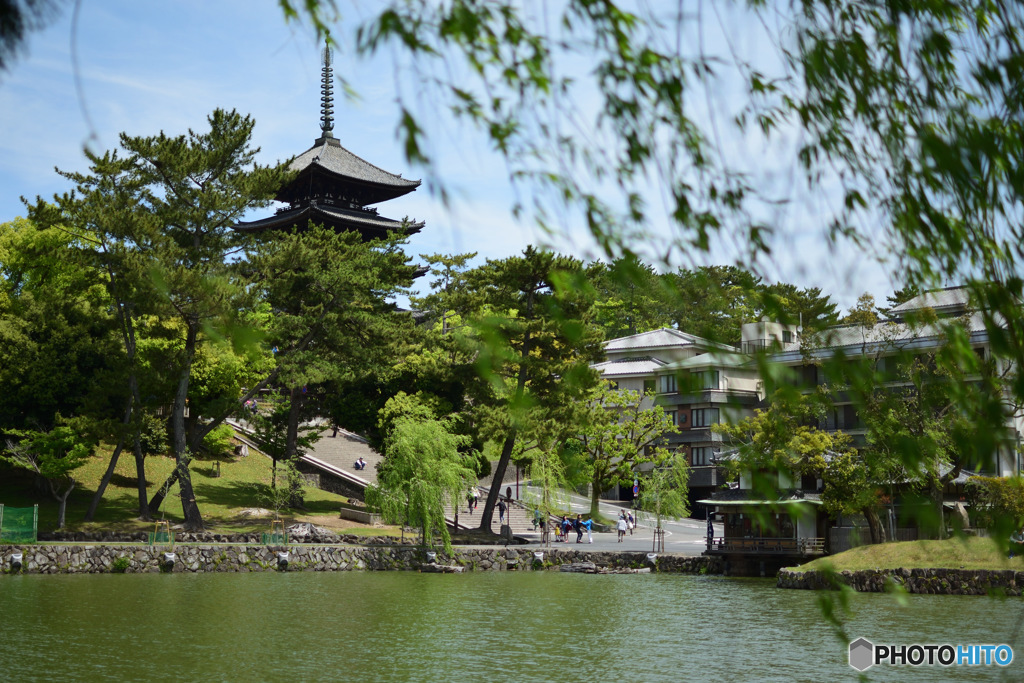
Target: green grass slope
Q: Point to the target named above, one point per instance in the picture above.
(966, 552)
(243, 484)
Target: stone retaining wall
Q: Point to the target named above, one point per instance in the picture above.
(89, 559)
(115, 537)
(327, 481)
(928, 581)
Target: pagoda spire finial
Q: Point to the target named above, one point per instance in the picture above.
(327, 90)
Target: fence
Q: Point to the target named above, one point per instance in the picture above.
(162, 535)
(19, 525)
(277, 535)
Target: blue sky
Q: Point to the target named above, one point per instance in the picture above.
(143, 67)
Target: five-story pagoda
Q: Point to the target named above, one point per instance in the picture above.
(334, 187)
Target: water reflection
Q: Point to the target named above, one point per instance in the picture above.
(403, 626)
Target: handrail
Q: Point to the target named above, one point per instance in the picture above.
(803, 546)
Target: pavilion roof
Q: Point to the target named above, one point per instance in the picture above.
(360, 221)
(328, 154)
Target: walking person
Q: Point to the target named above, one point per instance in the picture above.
(630, 522)
(578, 524)
(621, 526)
(501, 511)
(538, 520)
(587, 524)
(469, 499)
(476, 497)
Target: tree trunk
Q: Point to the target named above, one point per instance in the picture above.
(510, 440)
(499, 474)
(161, 493)
(193, 519)
(95, 502)
(62, 500)
(140, 479)
(140, 458)
(291, 445)
(595, 499)
(935, 493)
(875, 526)
(91, 512)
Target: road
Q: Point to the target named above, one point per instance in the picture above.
(684, 536)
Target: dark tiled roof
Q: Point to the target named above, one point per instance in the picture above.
(357, 220)
(330, 155)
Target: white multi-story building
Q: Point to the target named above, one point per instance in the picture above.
(697, 381)
(891, 342)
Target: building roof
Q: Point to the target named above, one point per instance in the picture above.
(664, 338)
(328, 154)
(941, 300)
(715, 359)
(887, 332)
(747, 498)
(629, 366)
(367, 223)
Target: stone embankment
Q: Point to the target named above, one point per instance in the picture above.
(85, 559)
(927, 581)
(317, 535)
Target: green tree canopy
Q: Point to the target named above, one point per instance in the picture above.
(619, 431)
(421, 474)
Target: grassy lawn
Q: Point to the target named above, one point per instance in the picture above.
(243, 484)
(955, 553)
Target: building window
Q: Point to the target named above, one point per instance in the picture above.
(701, 381)
(704, 417)
(700, 456)
(650, 386)
(710, 379)
(787, 337)
(613, 385)
(668, 384)
(674, 416)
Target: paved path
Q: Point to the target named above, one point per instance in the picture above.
(685, 536)
(343, 450)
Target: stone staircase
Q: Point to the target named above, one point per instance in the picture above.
(520, 518)
(343, 450)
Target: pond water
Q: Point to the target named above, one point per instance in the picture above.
(478, 627)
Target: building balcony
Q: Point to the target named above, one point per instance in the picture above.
(706, 476)
(694, 435)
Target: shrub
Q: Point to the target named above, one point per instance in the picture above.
(997, 502)
(217, 443)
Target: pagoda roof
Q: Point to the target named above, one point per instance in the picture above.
(366, 223)
(327, 154)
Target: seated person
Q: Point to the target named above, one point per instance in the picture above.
(360, 464)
